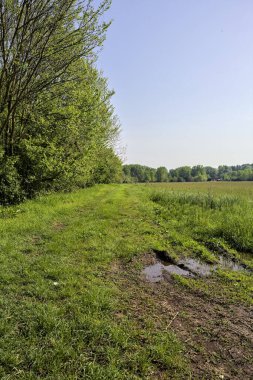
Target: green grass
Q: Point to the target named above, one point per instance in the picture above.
(64, 314)
(207, 215)
(58, 305)
(241, 189)
(201, 220)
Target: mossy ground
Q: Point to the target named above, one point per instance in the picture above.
(74, 304)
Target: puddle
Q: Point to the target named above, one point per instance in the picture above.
(226, 263)
(197, 267)
(155, 273)
(187, 267)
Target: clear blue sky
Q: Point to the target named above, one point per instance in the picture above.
(183, 75)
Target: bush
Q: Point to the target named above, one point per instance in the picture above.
(10, 184)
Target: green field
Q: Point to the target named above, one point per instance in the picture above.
(75, 303)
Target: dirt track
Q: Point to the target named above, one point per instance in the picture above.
(217, 334)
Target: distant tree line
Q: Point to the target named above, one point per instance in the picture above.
(57, 124)
(199, 173)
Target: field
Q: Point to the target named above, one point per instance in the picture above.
(76, 302)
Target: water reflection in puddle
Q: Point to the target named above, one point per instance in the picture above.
(154, 273)
(226, 263)
(187, 267)
(197, 267)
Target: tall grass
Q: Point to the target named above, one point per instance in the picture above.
(205, 215)
(204, 200)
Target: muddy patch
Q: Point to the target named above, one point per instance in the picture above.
(228, 263)
(155, 273)
(163, 264)
(164, 257)
(216, 331)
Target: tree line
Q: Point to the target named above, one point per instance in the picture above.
(198, 173)
(57, 125)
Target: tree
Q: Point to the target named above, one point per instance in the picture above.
(138, 173)
(162, 174)
(211, 173)
(108, 168)
(39, 41)
(57, 123)
(68, 134)
(198, 173)
(184, 173)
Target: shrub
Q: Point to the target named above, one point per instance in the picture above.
(10, 185)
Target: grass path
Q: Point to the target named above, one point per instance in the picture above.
(58, 308)
(73, 302)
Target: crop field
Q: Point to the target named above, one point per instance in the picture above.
(149, 281)
(217, 210)
(237, 189)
